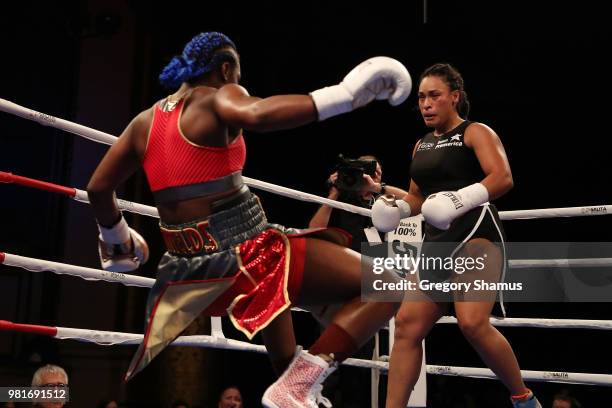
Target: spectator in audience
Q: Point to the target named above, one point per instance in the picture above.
(51, 376)
(563, 399)
(230, 398)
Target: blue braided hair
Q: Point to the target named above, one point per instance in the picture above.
(199, 57)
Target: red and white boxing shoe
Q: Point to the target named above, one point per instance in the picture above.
(301, 384)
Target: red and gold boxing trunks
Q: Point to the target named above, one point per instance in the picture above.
(233, 263)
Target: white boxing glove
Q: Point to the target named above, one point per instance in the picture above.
(387, 212)
(440, 209)
(375, 78)
(121, 248)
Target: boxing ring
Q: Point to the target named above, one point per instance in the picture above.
(217, 338)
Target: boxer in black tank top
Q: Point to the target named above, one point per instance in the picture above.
(456, 170)
(446, 163)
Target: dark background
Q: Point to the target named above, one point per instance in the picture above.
(536, 73)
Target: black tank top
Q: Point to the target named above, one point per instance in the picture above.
(445, 163)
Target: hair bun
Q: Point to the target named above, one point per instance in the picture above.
(175, 73)
(198, 57)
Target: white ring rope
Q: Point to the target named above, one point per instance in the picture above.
(90, 274)
(117, 338)
(58, 123)
(527, 375)
(541, 323)
(299, 195)
(560, 263)
(108, 139)
(556, 212)
(142, 209)
(38, 265)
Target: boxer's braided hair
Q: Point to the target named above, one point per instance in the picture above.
(454, 80)
(203, 54)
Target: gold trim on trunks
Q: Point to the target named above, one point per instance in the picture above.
(178, 305)
(189, 240)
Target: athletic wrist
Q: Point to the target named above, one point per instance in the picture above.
(332, 101)
(474, 195)
(117, 234)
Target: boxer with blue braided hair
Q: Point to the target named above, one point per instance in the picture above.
(203, 54)
(223, 256)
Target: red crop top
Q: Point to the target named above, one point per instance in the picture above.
(172, 160)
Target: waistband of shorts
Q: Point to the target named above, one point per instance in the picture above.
(234, 219)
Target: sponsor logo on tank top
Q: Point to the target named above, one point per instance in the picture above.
(425, 146)
(453, 141)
